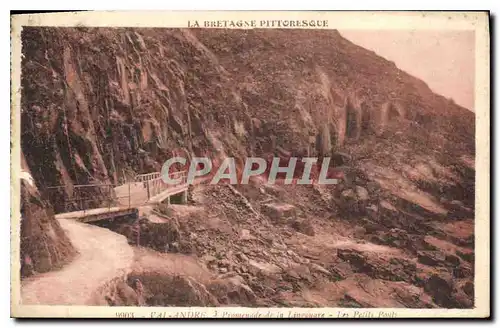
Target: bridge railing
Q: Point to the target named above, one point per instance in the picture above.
(182, 175)
(154, 184)
(84, 197)
(147, 177)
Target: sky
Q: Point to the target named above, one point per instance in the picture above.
(443, 59)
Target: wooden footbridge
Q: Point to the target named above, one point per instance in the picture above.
(94, 202)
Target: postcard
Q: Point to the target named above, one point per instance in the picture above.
(250, 165)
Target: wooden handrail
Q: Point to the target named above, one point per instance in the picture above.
(82, 198)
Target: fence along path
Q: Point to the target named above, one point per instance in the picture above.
(145, 189)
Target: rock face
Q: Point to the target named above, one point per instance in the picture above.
(100, 105)
(232, 291)
(113, 102)
(279, 212)
(303, 226)
(154, 289)
(44, 245)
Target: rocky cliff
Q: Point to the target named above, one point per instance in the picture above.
(102, 104)
(98, 104)
(44, 245)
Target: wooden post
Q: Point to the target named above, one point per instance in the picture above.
(147, 187)
(138, 234)
(129, 194)
(65, 202)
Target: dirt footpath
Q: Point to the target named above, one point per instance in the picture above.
(103, 255)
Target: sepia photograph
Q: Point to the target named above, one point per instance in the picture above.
(250, 165)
